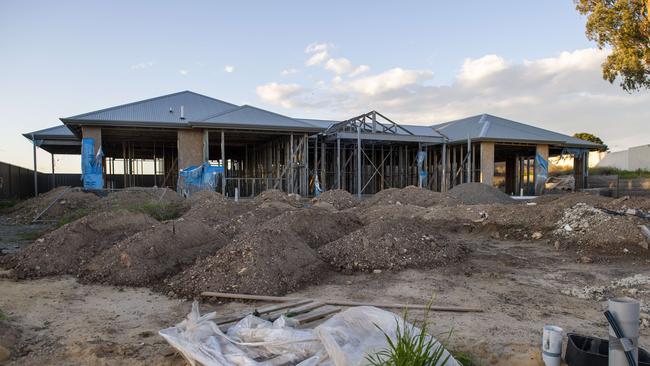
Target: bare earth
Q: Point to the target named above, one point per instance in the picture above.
(518, 284)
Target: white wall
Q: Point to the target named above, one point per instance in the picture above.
(617, 159)
(634, 158)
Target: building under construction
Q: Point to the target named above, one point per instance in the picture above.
(147, 143)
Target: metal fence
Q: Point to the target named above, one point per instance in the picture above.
(615, 186)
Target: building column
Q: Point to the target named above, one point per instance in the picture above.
(511, 175)
(541, 168)
(487, 163)
(190, 148)
(579, 170)
(53, 176)
(94, 133)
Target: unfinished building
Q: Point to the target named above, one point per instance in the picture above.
(147, 143)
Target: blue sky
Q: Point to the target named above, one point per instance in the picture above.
(423, 61)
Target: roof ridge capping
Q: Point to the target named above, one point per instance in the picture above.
(252, 107)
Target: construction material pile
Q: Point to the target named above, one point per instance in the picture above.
(63, 202)
(149, 256)
(68, 249)
(393, 244)
(265, 260)
(340, 199)
(479, 194)
(410, 195)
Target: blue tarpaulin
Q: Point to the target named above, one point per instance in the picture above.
(91, 164)
(198, 178)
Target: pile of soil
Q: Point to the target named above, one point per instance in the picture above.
(393, 244)
(479, 193)
(153, 254)
(567, 200)
(385, 212)
(263, 261)
(252, 218)
(339, 198)
(136, 197)
(67, 249)
(316, 226)
(590, 229)
(276, 195)
(69, 204)
(410, 195)
(214, 209)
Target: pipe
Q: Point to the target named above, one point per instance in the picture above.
(624, 320)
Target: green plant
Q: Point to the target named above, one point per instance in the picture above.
(72, 216)
(410, 347)
(3, 316)
(5, 204)
(31, 235)
(161, 211)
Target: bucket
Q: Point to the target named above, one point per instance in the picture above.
(626, 311)
(552, 345)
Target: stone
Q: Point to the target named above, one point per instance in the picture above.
(536, 235)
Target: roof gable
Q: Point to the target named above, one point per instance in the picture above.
(165, 109)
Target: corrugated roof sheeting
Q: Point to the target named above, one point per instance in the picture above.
(61, 131)
(249, 116)
(489, 127)
(164, 109)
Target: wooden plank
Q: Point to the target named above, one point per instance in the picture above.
(293, 312)
(343, 302)
(316, 315)
(264, 310)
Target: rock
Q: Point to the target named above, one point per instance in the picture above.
(376, 271)
(557, 245)
(567, 227)
(585, 259)
(536, 235)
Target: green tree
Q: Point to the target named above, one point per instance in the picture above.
(624, 26)
(589, 137)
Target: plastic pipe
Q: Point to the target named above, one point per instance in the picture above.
(626, 311)
(552, 345)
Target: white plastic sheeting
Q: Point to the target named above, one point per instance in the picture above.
(343, 340)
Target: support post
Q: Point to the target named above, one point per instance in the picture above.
(35, 168)
(359, 161)
(223, 162)
(338, 163)
(206, 145)
(443, 184)
(487, 163)
(305, 160)
(53, 176)
(323, 166)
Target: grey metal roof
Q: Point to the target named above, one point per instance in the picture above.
(162, 110)
(253, 117)
(57, 132)
(489, 127)
(320, 123)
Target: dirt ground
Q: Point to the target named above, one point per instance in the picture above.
(553, 261)
(518, 284)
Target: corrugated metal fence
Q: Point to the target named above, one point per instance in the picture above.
(615, 186)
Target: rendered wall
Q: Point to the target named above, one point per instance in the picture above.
(190, 148)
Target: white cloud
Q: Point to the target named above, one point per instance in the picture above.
(228, 68)
(183, 72)
(565, 93)
(319, 53)
(142, 65)
(392, 79)
(359, 70)
(280, 94)
(476, 69)
(286, 72)
(339, 66)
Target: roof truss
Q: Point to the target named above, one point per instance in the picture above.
(371, 122)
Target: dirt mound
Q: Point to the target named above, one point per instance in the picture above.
(67, 249)
(134, 198)
(385, 212)
(339, 198)
(264, 261)
(250, 219)
(276, 195)
(410, 195)
(566, 200)
(214, 209)
(590, 229)
(153, 254)
(316, 226)
(479, 193)
(393, 244)
(72, 202)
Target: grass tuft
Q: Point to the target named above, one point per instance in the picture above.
(409, 347)
(72, 216)
(161, 211)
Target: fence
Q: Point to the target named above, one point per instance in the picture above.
(614, 186)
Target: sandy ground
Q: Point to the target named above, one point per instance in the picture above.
(518, 284)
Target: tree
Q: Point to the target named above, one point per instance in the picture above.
(589, 137)
(623, 25)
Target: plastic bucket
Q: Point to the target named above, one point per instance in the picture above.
(552, 345)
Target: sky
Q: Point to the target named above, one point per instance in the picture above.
(418, 62)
